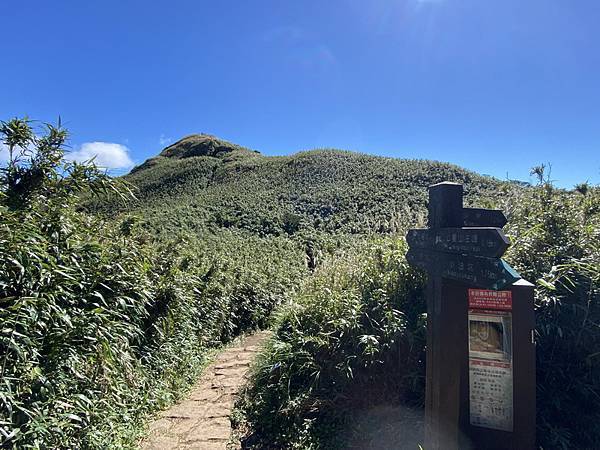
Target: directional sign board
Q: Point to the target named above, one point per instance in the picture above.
(490, 242)
(478, 217)
(477, 271)
(480, 376)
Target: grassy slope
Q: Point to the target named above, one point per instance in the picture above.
(352, 345)
(203, 183)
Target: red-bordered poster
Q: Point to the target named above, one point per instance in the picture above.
(490, 359)
(486, 299)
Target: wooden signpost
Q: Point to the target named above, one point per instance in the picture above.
(488, 242)
(478, 217)
(480, 389)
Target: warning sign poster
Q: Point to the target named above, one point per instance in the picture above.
(490, 359)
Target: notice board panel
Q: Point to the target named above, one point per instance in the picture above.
(490, 359)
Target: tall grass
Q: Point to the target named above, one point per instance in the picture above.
(355, 335)
(99, 324)
(556, 237)
(357, 329)
(103, 321)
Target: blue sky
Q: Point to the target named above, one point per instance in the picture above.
(494, 86)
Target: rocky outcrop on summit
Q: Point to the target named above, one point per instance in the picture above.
(201, 145)
(198, 145)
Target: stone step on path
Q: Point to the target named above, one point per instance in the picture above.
(201, 421)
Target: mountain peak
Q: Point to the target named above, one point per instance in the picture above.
(201, 145)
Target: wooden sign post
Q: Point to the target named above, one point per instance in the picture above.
(480, 387)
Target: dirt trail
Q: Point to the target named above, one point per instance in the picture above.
(201, 421)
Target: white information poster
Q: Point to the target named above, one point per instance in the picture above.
(490, 359)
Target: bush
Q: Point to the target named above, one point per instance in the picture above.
(360, 315)
(102, 325)
(343, 335)
(73, 296)
(105, 321)
(556, 236)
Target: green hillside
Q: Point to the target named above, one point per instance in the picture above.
(111, 306)
(202, 182)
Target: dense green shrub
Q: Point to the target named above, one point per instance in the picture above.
(556, 237)
(100, 324)
(72, 297)
(355, 335)
(319, 354)
(103, 321)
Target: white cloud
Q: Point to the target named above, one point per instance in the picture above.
(107, 155)
(163, 140)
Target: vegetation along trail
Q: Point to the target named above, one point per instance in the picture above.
(114, 292)
(201, 421)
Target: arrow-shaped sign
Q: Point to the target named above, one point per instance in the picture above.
(487, 273)
(490, 242)
(479, 217)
